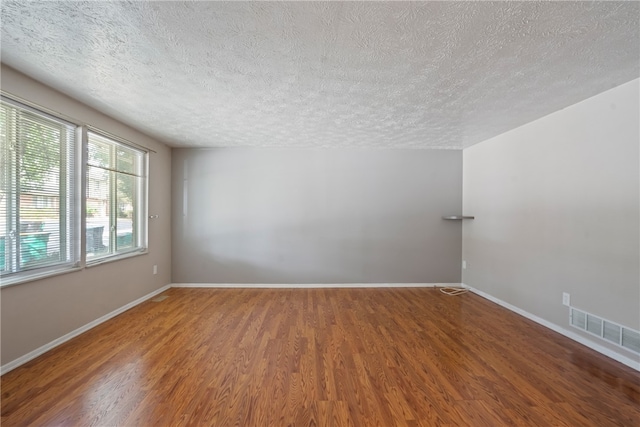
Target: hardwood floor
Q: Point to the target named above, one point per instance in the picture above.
(321, 357)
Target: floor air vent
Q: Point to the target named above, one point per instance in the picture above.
(617, 334)
(160, 298)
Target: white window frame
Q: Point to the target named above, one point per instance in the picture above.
(77, 200)
(142, 216)
(71, 201)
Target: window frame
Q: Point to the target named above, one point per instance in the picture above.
(76, 197)
(68, 165)
(141, 215)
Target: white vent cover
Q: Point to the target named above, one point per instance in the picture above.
(617, 334)
(631, 340)
(612, 332)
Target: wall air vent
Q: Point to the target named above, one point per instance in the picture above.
(594, 324)
(611, 332)
(617, 334)
(578, 319)
(631, 340)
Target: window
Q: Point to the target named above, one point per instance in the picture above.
(42, 184)
(38, 192)
(115, 198)
(44, 202)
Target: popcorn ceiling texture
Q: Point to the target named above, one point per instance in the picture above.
(324, 74)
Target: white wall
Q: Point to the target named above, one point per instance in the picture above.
(557, 209)
(316, 215)
(35, 313)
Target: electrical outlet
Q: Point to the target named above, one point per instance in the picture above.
(464, 265)
(566, 299)
(155, 269)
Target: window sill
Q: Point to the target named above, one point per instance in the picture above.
(19, 279)
(116, 257)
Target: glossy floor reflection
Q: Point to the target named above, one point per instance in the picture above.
(259, 357)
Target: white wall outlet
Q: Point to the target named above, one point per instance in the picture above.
(566, 299)
(155, 269)
(464, 265)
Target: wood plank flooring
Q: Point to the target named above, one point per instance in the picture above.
(320, 357)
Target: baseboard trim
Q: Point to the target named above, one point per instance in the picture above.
(634, 364)
(311, 285)
(41, 350)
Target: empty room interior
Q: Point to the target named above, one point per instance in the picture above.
(320, 213)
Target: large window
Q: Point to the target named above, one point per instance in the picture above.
(38, 192)
(43, 184)
(115, 198)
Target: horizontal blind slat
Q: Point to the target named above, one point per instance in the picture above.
(37, 189)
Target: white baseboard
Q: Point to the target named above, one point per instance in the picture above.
(635, 364)
(311, 285)
(38, 351)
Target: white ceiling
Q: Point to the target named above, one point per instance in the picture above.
(324, 74)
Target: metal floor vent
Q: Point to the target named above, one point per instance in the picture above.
(160, 298)
(614, 333)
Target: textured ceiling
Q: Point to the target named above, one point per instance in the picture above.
(324, 74)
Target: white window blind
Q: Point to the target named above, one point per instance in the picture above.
(38, 192)
(115, 198)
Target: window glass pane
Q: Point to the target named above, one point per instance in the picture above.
(126, 212)
(37, 189)
(39, 170)
(7, 117)
(125, 160)
(115, 220)
(99, 153)
(98, 211)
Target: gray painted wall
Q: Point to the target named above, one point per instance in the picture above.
(557, 209)
(316, 216)
(35, 313)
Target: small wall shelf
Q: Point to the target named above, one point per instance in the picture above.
(458, 217)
